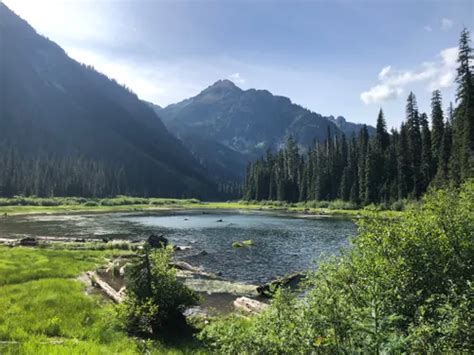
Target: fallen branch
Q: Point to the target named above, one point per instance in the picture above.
(115, 296)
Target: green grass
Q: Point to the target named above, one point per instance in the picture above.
(45, 310)
(34, 205)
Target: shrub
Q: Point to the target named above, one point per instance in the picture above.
(155, 298)
(405, 286)
(341, 205)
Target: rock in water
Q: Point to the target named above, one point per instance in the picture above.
(157, 241)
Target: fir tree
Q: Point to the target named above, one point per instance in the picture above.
(414, 145)
(382, 135)
(437, 126)
(427, 169)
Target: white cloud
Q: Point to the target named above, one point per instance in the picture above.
(433, 75)
(446, 23)
(428, 28)
(384, 72)
(237, 78)
(380, 93)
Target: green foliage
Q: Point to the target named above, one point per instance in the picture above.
(155, 298)
(405, 285)
(278, 330)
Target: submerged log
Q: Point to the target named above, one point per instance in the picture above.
(28, 242)
(249, 305)
(115, 296)
(291, 281)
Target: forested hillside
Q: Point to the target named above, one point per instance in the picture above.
(66, 129)
(382, 168)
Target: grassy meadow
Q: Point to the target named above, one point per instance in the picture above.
(44, 309)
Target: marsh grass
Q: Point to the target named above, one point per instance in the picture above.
(45, 310)
(35, 205)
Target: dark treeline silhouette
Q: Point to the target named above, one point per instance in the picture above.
(384, 167)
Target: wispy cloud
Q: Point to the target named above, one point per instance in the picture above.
(237, 78)
(434, 75)
(446, 23)
(428, 28)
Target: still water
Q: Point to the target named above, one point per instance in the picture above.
(282, 244)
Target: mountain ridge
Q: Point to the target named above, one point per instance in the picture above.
(57, 108)
(248, 122)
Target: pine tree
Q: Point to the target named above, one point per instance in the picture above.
(437, 126)
(362, 155)
(414, 145)
(382, 135)
(443, 172)
(462, 162)
(403, 165)
(427, 169)
(371, 175)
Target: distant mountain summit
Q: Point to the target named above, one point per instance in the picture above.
(349, 128)
(246, 122)
(72, 130)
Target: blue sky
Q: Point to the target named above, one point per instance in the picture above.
(334, 57)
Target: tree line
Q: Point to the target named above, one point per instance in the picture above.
(383, 167)
(46, 175)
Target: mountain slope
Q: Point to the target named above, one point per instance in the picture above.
(248, 122)
(52, 106)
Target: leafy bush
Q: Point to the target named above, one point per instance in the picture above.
(398, 205)
(406, 285)
(155, 298)
(341, 205)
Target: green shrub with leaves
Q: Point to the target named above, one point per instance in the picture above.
(155, 298)
(405, 285)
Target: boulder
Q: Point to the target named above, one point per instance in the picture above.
(157, 241)
(291, 281)
(181, 247)
(28, 242)
(243, 243)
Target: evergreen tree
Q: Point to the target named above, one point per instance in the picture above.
(403, 165)
(427, 169)
(382, 135)
(362, 155)
(463, 124)
(371, 169)
(414, 145)
(437, 126)
(443, 172)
